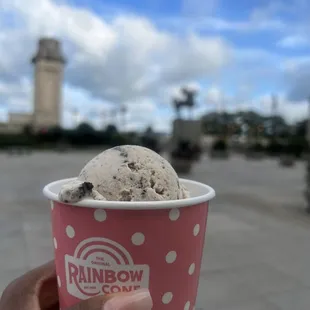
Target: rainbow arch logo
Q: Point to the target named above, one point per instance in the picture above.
(102, 266)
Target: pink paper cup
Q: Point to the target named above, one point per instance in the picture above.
(104, 247)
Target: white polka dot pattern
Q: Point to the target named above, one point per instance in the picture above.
(58, 281)
(196, 230)
(174, 214)
(138, 238)
(191, 269)
(70, 231)
(171, 257)
(187, 305)
(55, 243)
(167, 297)
(100, 215)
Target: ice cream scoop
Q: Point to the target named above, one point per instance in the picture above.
(125, 173)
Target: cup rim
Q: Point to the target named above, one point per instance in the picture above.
(135, 205)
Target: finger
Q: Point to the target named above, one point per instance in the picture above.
(136, 300)
(48, 293)
(34, 287)
(33, 276)
(44, 282)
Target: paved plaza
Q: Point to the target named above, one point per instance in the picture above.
(257, 252)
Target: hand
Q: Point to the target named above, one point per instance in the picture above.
(37, 290)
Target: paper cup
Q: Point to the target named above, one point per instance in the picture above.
(104, 247)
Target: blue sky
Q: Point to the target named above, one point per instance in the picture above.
(138, 53)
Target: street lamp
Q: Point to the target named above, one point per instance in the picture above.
(102, 115)
(75, 116)
(123, 111)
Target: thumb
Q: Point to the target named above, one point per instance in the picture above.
(135, 300)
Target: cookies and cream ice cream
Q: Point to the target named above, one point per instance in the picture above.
(125, 173)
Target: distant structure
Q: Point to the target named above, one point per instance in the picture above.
(49, 65)
(186, 98)
(186, 130)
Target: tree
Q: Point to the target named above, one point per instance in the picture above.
(149, 131)
(150, 140)
(111, 130)
(220, 123)
(301, 128)
(85, 134)
(55, 133)
(85, 128)
(28, 130)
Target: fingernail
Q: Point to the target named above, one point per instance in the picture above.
(136, 300)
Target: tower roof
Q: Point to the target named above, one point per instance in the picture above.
(49, 49)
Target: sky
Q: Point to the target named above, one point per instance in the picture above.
(138, 54)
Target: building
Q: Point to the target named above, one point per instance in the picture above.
(48, 77)
(16, 123)
(186, 130)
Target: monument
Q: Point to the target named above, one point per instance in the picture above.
(187, 133)
(49, 65)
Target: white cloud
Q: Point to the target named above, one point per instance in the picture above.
(294, 64)
(198, 8)
(128, 59)
(294, 111)
(48, 18)
(214, 95)
(200, 15)
(177, 94)
(128, 55)
(291, 111)
(296, 72)
(21, 90)
(274, 16)
(4, 117)
(293, 41)
(124, 58)
(147, 113)
(221, 25)
(217, 99)
(16, 96)
(248, 25)
(268, 11)
(193, 86)
(252, 55)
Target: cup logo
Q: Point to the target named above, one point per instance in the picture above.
(102, 266)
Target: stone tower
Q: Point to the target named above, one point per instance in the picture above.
(49, 65)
